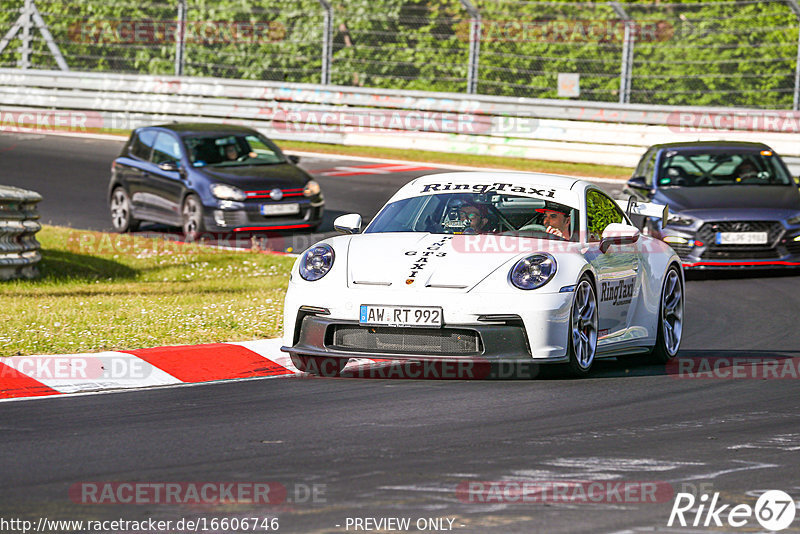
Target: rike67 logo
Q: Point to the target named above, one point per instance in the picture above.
(774, 511)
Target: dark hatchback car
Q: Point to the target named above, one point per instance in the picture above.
(732, 204)
(210, 178)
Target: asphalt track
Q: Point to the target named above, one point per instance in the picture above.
(401, 447)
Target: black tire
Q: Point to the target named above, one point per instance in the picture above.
(582, 340)
(192, 218)
(319, 365)
(120, 208)
(670, 318)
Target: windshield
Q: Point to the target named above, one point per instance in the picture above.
(683, 169)
(474, 213)
(232, 150)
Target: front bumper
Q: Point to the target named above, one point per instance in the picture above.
(246, 217)
(697, 250)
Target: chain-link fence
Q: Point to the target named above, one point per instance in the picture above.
(714, 53)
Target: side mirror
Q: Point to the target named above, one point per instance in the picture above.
(618, 234)
(170, 166)
(293, 158)
(348, 224)
(637, 182)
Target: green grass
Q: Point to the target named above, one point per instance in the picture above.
(499, 162)
(109, 292)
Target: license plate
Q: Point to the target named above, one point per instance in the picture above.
(280, 209)
(742, 238)
(422, 316)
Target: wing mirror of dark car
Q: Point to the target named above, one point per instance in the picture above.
(637, 182)
(618, 234)
(169, 166)
(294, 158)
(348, 224)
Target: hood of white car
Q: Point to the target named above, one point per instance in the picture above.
(422, 260)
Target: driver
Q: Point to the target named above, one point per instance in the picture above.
(231, 152)
(746, 169)
(474, 216)
(556, 221)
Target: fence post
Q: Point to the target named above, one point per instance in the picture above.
(180, 41)
(626, 71)
(796, 99)
(474, 46)
(327, 41)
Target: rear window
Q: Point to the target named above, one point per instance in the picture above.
(142, 144)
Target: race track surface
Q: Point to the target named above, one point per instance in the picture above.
(382, 448)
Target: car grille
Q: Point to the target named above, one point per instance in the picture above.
(446, 341)
(708, 233)
(681, 250)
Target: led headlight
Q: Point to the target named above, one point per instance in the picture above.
(794, 220)
(316, 262)
(311, 189)
(227, 192)
(533, 271)
(679, 220)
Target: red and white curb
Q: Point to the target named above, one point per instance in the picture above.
(47, 375)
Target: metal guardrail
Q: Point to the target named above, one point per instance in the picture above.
(19, 249)
(557, 130)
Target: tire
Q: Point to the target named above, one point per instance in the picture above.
(319, 365)
(670, 318)
(583, 326)
(192, 217)
(120, 208)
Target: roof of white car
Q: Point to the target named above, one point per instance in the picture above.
(547, 186)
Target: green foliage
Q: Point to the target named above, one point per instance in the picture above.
(713, 53)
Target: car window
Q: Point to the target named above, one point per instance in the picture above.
(478, 213)
(166, 148)
(231, 150)
(693, 169)
(142, 145)
(647, 168)
(600, 212)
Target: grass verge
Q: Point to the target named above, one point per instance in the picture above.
(110, 292)
(518, 164)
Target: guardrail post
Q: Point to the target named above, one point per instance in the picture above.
(796, 99)
(19, 250)
(474, 46)
(180, 41)
(327, 41)
(626, 71)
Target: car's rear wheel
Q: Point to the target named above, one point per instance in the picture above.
(120, 207)
(319, 365)
(192, 216)
(670, 318)
(583, 328)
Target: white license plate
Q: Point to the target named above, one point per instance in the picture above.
(742, 238)
(280, 209)
(424, 316)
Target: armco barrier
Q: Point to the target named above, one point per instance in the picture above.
(557, 130)
(19, 250)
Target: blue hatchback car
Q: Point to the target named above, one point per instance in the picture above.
(210, 178)
(731, 204)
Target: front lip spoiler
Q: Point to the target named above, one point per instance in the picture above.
(740, 264)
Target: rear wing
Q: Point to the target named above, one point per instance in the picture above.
(647, 209)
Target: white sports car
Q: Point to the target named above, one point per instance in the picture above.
(487, 266)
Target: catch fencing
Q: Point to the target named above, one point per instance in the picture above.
(728, 53)
(582, 132)
(19, 249)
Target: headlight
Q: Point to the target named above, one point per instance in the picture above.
(794, 220)
(311, 189)
(316, 262)
(533, 272)
(679, 220)
(227, 192)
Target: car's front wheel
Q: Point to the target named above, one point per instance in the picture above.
(192, 217)
(582, 343)
(319, 365)
(121, 215)
(670, 318)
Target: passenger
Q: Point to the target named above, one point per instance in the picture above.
(556, 221)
